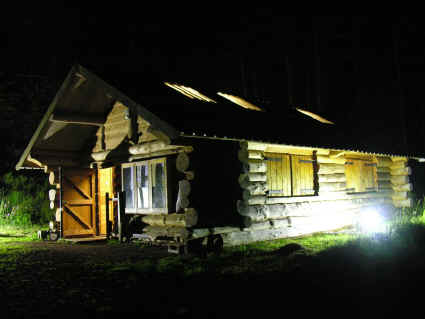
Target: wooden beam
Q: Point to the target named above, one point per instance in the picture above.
(76, 218)
(80, 119)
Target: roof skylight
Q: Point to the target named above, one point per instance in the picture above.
(189, 92)
(314, 116)
(240, 101)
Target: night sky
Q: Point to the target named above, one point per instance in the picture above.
(365, 73)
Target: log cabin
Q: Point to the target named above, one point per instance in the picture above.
(183, 165)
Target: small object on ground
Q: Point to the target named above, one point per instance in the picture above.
(53, 235)
(289, 249)
(42, 234)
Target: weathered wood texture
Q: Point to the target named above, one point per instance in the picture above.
(106, 178)
(182, 162)
(158, 231)
(184, 190)
(331, 168)
(332, 178)
(187, 219)
(259, 213)
(115, 129)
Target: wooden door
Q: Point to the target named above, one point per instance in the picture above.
(106, 185)
(78, 202)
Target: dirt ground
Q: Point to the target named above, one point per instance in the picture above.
(98, 252)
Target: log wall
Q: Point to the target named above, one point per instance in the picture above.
(334, 204)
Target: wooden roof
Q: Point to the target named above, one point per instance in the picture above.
(84, 100)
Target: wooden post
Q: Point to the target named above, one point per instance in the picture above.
(108, 230)
(121, 212)
(60, 203)
(96, 201)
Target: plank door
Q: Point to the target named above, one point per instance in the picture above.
(78, 202)
(106, 185)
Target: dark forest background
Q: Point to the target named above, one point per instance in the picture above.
(364, 73)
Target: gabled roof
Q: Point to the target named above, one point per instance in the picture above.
(177, 115)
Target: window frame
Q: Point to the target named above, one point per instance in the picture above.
(291, 174)
(148, 163)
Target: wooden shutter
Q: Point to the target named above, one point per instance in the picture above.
(278, 174)
(360, 175)
(368, 176)
(302, 175)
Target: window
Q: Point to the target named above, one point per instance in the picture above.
(361, 175)
(145, 186)
(289, 175)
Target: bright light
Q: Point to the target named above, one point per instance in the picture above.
(370, 221)
(189, 92)
(314, 116)
(240, 101)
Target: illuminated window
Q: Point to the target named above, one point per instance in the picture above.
(289, 175)
(240, 101)
(360, 175)
(189, 92)
(145, 186)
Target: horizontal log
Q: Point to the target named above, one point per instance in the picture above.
(275, 223)
(398, 196)
(204, 232)
(331, 220)
(384, 177)
(399, 180)
(384, 184)
(249, 225)
(260, 213)
(58, 214)
(383, 161)
(243, 155)
(387, 192)
(256, 188)
(52, 194)
(383, 170)
(256, 200)
(325, 159)
(326, 197)
(184, 188)
(403, 203)
(166, 152)
(182, 162)
(188, 219)
(246, 178)
(150, 147)
(53, 178)
(397, 165)
(403, 188)
(158, 231)
(403, 171)
(182, 203)
(257, 166)
(332, 187)
(278, 223)
(255, 155)
(247, 194)
(328, 168)
(331, 178)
